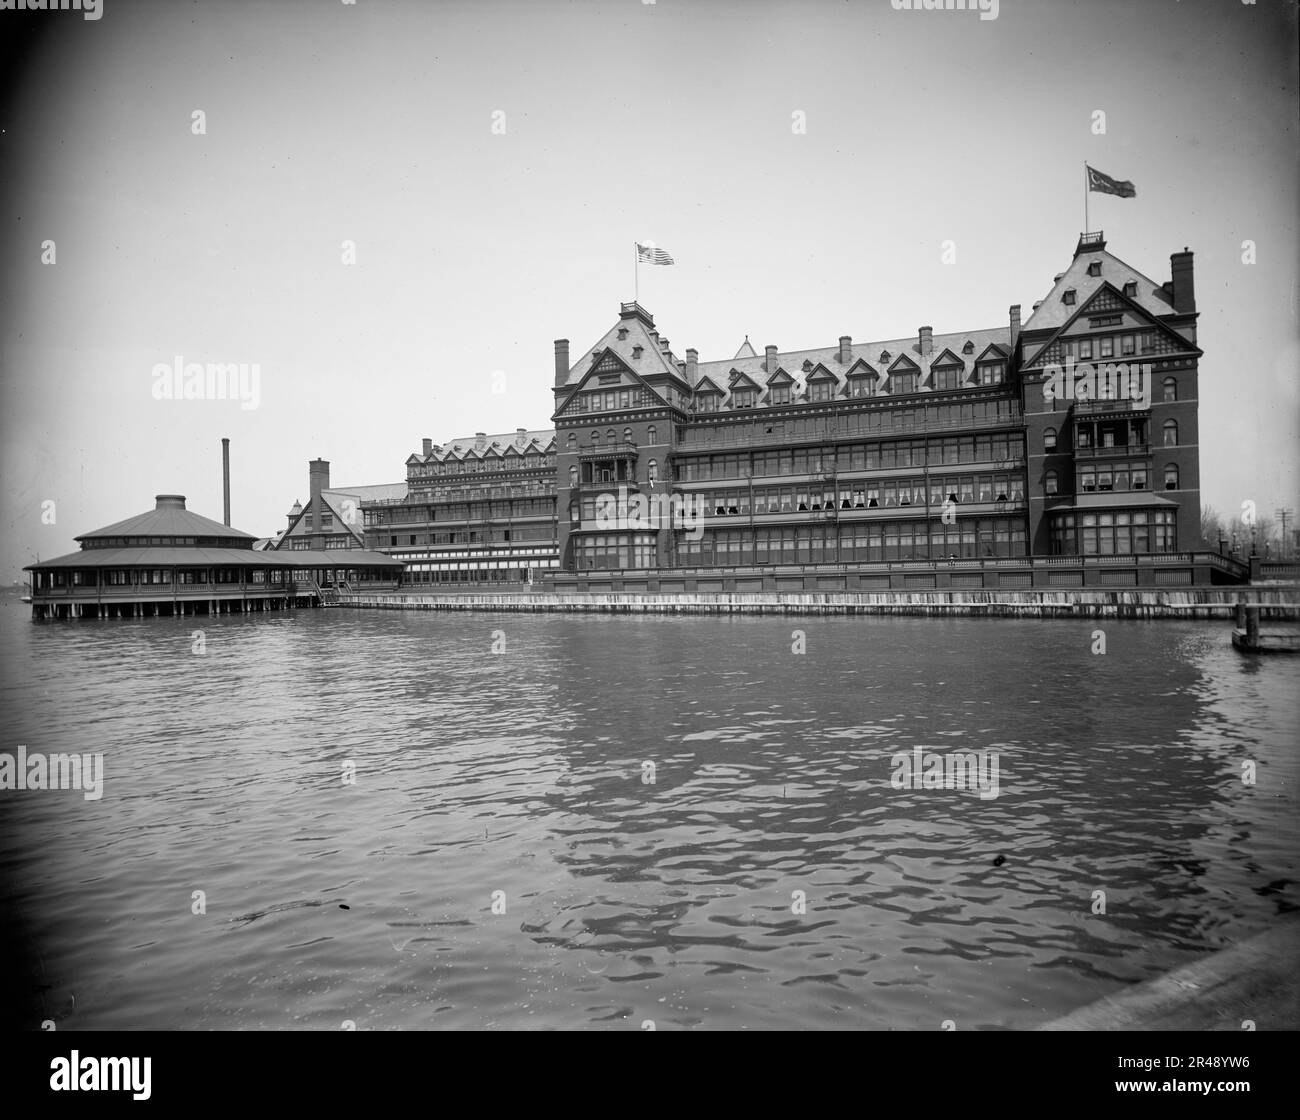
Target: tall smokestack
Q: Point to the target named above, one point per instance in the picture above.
(225, 478)
(561, 361)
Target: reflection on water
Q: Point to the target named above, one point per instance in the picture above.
(686, 822)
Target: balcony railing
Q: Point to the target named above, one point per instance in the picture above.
(697, 442)
(1125, 405)
(1117, 451)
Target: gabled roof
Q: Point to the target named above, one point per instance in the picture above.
(1114, 300)
(827, 358)
(538, 441)
(651, 362)
(1052, 312)
(746, 350)
(951, 359)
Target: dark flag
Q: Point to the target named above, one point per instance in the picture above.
(1100, 181)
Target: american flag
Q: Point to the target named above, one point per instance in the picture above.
(648, 254)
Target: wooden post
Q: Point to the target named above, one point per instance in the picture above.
(1252, 627)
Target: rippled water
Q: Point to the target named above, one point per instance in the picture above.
(625, 901)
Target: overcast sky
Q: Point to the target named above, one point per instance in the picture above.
(493, 162)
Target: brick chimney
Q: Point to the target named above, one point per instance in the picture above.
(561, 361)
(521, 438)
(692, 366)
(925, 340)
(480, 441)
(1015, 323)
(769, 361)
(428, 448)
(1184, 290)
(318, 479)
(846, 349)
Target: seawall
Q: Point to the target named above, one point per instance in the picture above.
(1189, 603)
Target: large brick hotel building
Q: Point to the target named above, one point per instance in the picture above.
(932, 460)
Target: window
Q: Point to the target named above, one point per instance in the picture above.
(1107, 347)
(778, 394)
(1049, 439)
(573, 441)
(636, 351)
(1068, 297)
(1171, 433)
(1131, 288)
(573, 476)
(862, 387)
(991, 373)
(742, 398)
(652, 471)
(949, 377)
(1094, 268)
(1049, 482)
(707, 402)
(902, 383)
(622, 333)
(1085, 348)
(652, 435)
(627, 435)
(1171, 388)
(1087, 480)
(1171, 477)
(1127, 345)
(819, 391)
(595, 438)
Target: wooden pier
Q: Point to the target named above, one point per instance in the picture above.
(1249, 637)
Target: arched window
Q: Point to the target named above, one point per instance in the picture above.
(595, 438)
(627, 435)
(613, 437)
(573, 441)
(1171, 388)
(1049, 439)
(1049, 482)
(651, 436)
(573, 476)
(1171, 433)
(1171, 477)
(652, 470)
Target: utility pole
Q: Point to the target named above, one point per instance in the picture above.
(1284, 515)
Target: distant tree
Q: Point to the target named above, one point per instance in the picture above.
(1211, 527)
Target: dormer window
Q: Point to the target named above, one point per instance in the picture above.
(778, 394)
(807, 365)
(969, 348)
(1131, 288)
(1094, 268)
(622, 333)
(742, 398)
(819, 391)
(1068, 297)
(947, 377)
(991, 373)
(884, 355)
(636, 351)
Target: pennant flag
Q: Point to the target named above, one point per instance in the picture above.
(648, 254)
(1100, 181)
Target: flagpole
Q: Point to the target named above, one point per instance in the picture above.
(636, 273)
(1085, 196)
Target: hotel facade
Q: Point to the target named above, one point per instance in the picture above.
(1061, 451)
